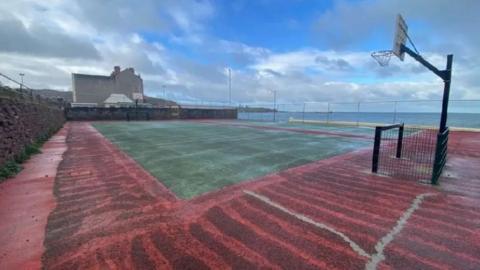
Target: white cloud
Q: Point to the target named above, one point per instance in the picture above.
(111, 33)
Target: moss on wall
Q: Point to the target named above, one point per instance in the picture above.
(25, 123)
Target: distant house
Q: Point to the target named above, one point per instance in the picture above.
(96, 89)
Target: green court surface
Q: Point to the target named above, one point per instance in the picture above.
(192, 158)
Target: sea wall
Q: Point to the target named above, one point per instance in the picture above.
(94, 114)
(25, 119)
(203, 113)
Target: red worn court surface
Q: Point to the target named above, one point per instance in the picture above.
(111, 214)
(25, 203)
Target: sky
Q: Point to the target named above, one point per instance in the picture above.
(304, 50)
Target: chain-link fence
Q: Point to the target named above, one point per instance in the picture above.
(462, 113)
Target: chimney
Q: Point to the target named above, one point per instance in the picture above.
(116, 70)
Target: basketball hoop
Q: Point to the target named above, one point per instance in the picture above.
(382, 57)
(401, 36)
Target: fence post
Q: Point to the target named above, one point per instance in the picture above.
(358, 114)
(328, 112)
(376, 149)
(303, 113)
(274, 105)
(394, 111)
(400, 141)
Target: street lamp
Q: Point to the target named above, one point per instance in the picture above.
(229, 85)
(274, 103)
(164, 95)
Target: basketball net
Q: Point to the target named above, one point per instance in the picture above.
(382, 57)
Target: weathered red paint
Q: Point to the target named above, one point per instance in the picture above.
(25, 202)
(110, 213)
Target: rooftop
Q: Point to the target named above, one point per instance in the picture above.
(118, 98)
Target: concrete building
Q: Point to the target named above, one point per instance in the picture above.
(95, 89)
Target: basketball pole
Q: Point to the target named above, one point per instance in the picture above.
(445, 75)
(446, 93)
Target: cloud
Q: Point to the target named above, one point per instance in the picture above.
(336, 64)
(233, 53)
(40, 41)
(164, 16)
(440, 22)
(437, 28)
(92, 37)
(49, 40)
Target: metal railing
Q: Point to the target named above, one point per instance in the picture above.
(28, 93)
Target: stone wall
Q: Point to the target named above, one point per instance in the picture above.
(191, 113)
(93, 114)
(25, 119)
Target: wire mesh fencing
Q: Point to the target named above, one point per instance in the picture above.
(404, 152)
(425, 113)
(316, 111)
(257, 112)
(285, 112)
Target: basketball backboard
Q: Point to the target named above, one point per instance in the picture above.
(401, 30)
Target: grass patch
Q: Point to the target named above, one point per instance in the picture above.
(9, 169)
(28, 151)
(13, 166)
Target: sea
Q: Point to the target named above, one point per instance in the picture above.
(464, 120)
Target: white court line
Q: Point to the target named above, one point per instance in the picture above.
(376, 258)
(352, 244)
(380, 246)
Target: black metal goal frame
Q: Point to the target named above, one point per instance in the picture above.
(378, 138)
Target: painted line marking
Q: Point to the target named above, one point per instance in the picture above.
(388, 238)
(303, 218)
(380, 246)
